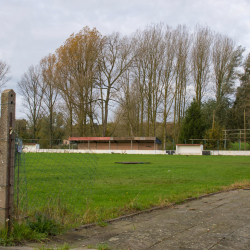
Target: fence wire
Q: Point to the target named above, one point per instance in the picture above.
(20, 183)
(52, 183)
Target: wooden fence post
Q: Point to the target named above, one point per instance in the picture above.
(7, 157)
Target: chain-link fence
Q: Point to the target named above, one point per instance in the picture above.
(228, 143)
(57, 185)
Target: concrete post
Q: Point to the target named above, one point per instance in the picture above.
(7, 157)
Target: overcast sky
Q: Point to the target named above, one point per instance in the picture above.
(32, 29)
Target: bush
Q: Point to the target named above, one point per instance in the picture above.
(43, 224)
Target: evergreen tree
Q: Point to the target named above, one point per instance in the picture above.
(192, 127)
(242, 100)
(214, 136)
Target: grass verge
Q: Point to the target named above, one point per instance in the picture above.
(19, 233)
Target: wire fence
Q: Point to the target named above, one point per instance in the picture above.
(214, 144)
(52, 184)
(232, 140)
(81, 188)
(61, 185)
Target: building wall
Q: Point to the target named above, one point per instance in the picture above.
(153, 152)
(189, 149)
(30, 146)
(119, 146)
(82, 151)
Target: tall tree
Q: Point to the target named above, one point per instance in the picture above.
(182, 70)
(79, 57)
(168, 76)
(65, 82)
(152, 74)
(128, 105)
(154, 71)
(208, 113)
(242, 100)
(115, 58)
(226, 59)
(139, 76)
(192, 127)
(50, 92)
(30, 89)
(201, 60)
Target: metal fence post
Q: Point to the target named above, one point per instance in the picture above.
(7, 155)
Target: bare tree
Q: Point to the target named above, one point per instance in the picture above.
(50, 92)
(4, 70)
(154, 70)
(226, 58)
(182, 72)
(114, 60)
(168, 76)
(139, 75)
(128, 105)
(30, 89)
(201, 60)
(148, 74)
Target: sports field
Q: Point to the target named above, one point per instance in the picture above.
(97, 188)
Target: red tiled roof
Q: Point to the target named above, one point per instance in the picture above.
(145, 139)
(89, 138)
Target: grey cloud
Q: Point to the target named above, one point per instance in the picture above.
(32, 29)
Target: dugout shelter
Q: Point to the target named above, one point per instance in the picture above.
(117, 143)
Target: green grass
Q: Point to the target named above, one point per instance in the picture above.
(18, 233)
(99, 247)
(64, 247)
(118, 188)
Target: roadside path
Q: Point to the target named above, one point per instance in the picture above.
(219, 221)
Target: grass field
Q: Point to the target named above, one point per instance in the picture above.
(107, 190)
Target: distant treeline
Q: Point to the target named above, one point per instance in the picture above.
(138, 85)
